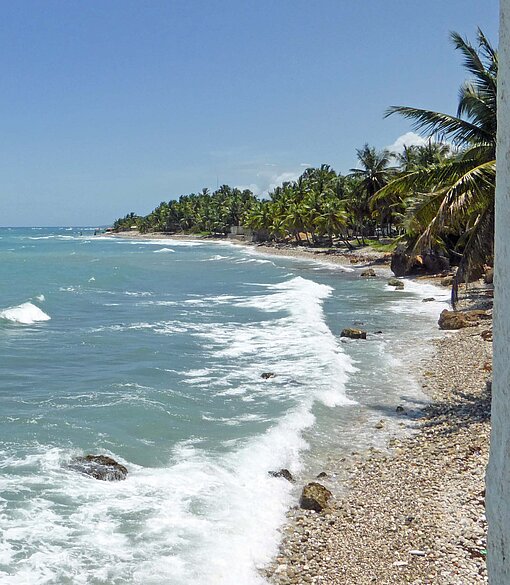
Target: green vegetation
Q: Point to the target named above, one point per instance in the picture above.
(437, 198)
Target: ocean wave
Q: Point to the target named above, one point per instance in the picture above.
(163, 250)
(25, 314)
(298, 345)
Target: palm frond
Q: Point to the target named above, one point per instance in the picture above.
(443, 126)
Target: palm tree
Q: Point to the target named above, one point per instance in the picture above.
(372, 175)
(456, 196)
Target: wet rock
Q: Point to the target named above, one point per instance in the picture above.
(368, 273)
(314, 497)
(353, 333)
(400, 409)
(267, 375)
(322, 475)
(377, 332)
(428, 300)
(285, 473)
(99, 467)
(398, 284)
(461, 319)
(379, 425)
(488, 277)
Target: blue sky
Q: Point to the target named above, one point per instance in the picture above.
(112, 106)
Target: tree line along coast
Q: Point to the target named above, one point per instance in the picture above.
(435, 199)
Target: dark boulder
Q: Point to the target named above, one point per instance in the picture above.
(99, 467)
(285, 473)
(267, 375)
(314, 497)
(404, 264)
(428, 300)
(435, 263)
(368, 273)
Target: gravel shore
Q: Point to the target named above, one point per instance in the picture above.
(415, 515)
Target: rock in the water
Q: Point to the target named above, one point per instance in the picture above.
(314, 497)
(379, 425)
(461, 319)
(488, 277)
(447, 281)
(99, 467)
(285, 473)
(400, 409)
(396, 283)
(428, 300)
(368, 273)
(353, 333)
(322, 475)
(267, 375)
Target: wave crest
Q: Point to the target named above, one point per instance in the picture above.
(26, 314)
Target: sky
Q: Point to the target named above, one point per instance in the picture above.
(112, 106)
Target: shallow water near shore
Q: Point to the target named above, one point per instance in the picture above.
(151, 351)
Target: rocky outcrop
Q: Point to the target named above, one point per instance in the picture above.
(314, 497)
(99, 467)
(368, 273)
(461, 319)
(285, 473)
(268, 375)
(404, 264)
(353, 333)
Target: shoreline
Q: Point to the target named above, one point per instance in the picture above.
(358, 258)
(413, 512)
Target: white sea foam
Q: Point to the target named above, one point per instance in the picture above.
(163, 250)
(192, 516)
(25, 314)
(40, 298)
(161, 241)
(298, 346)
(421, 290)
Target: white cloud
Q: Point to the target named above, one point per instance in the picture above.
(407, 139)
(269, 181)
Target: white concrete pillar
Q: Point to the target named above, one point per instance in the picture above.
(498, 472)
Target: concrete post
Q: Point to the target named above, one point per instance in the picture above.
(498, 472)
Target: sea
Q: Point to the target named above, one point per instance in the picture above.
(152, 352)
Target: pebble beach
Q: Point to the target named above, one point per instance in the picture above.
(414, 514)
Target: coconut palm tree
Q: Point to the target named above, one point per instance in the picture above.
(373, 174)
(456, 196)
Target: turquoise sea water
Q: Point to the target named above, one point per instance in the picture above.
(152, 352)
